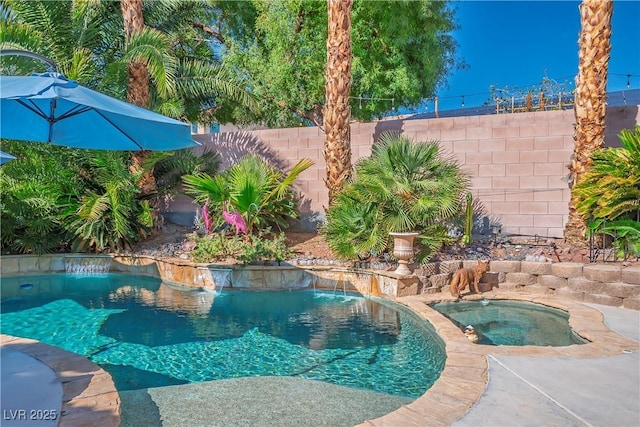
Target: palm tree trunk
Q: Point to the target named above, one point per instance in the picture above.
(138, 88)
(138, 94)
(590, 100)
(337, 113)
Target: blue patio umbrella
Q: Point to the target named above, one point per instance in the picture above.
(5, 157)
(48, 107)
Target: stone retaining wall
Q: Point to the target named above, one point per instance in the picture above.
(608, 284)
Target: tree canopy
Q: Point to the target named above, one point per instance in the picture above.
(402, 51)
(204, 55)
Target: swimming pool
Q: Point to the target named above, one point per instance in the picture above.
(148, 334)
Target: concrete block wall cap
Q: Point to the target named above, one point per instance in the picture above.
(602, 272)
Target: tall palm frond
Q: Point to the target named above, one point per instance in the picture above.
(285, 184)
(204, 80)
(611, 188)
(154, 49)
(202, 186)
(69, 33)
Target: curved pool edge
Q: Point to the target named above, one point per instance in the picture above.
(465, 376)
(89, 392)
(89, 396)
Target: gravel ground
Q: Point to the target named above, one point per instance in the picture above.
(176, 241)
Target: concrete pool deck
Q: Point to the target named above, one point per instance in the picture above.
(595, 384)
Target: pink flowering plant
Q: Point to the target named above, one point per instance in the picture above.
(252, 189)
(247, 201)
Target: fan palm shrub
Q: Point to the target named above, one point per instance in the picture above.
(610, 193)
(403, 186)
(260, 192)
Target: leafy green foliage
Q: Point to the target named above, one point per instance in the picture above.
(266, 247)
(86, 41)
(169, 167)
(261, 193)
(69, 33)
(216, 247)
(59, 199)
(625, 234)
(403, 186)
(402, 50)
(256, 247)
(609, 193)
(611, 188)
(34, 187)
(108, 215)
(29, 220)
(260, 61)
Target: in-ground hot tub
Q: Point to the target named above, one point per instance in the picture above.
(515, 323)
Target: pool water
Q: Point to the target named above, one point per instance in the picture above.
(503, 322)
(148, 334)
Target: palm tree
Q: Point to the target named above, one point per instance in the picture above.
(138, 72)
(611, 188)
(337, 113)
(138, 91)
(609, 193)
(590, 101)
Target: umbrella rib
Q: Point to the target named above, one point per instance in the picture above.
(73, 112)
(31, 106)
(118, 127)
(78, 109)
(51, 117)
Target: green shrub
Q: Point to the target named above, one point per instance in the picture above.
(277, 248)
(625, 234)
(108, 215)
(35, 189)
(609, 194)
(216, 247)
(261, 193)
(262, 246)
(403, 186)
(57, 199)
(611, 188)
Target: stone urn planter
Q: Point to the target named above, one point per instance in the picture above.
(403, 250)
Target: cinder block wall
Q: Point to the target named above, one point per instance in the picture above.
(517, 162)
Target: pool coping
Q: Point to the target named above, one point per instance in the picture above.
(465, 375)
(90, 396)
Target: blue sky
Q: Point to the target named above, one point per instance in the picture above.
(516, 43)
